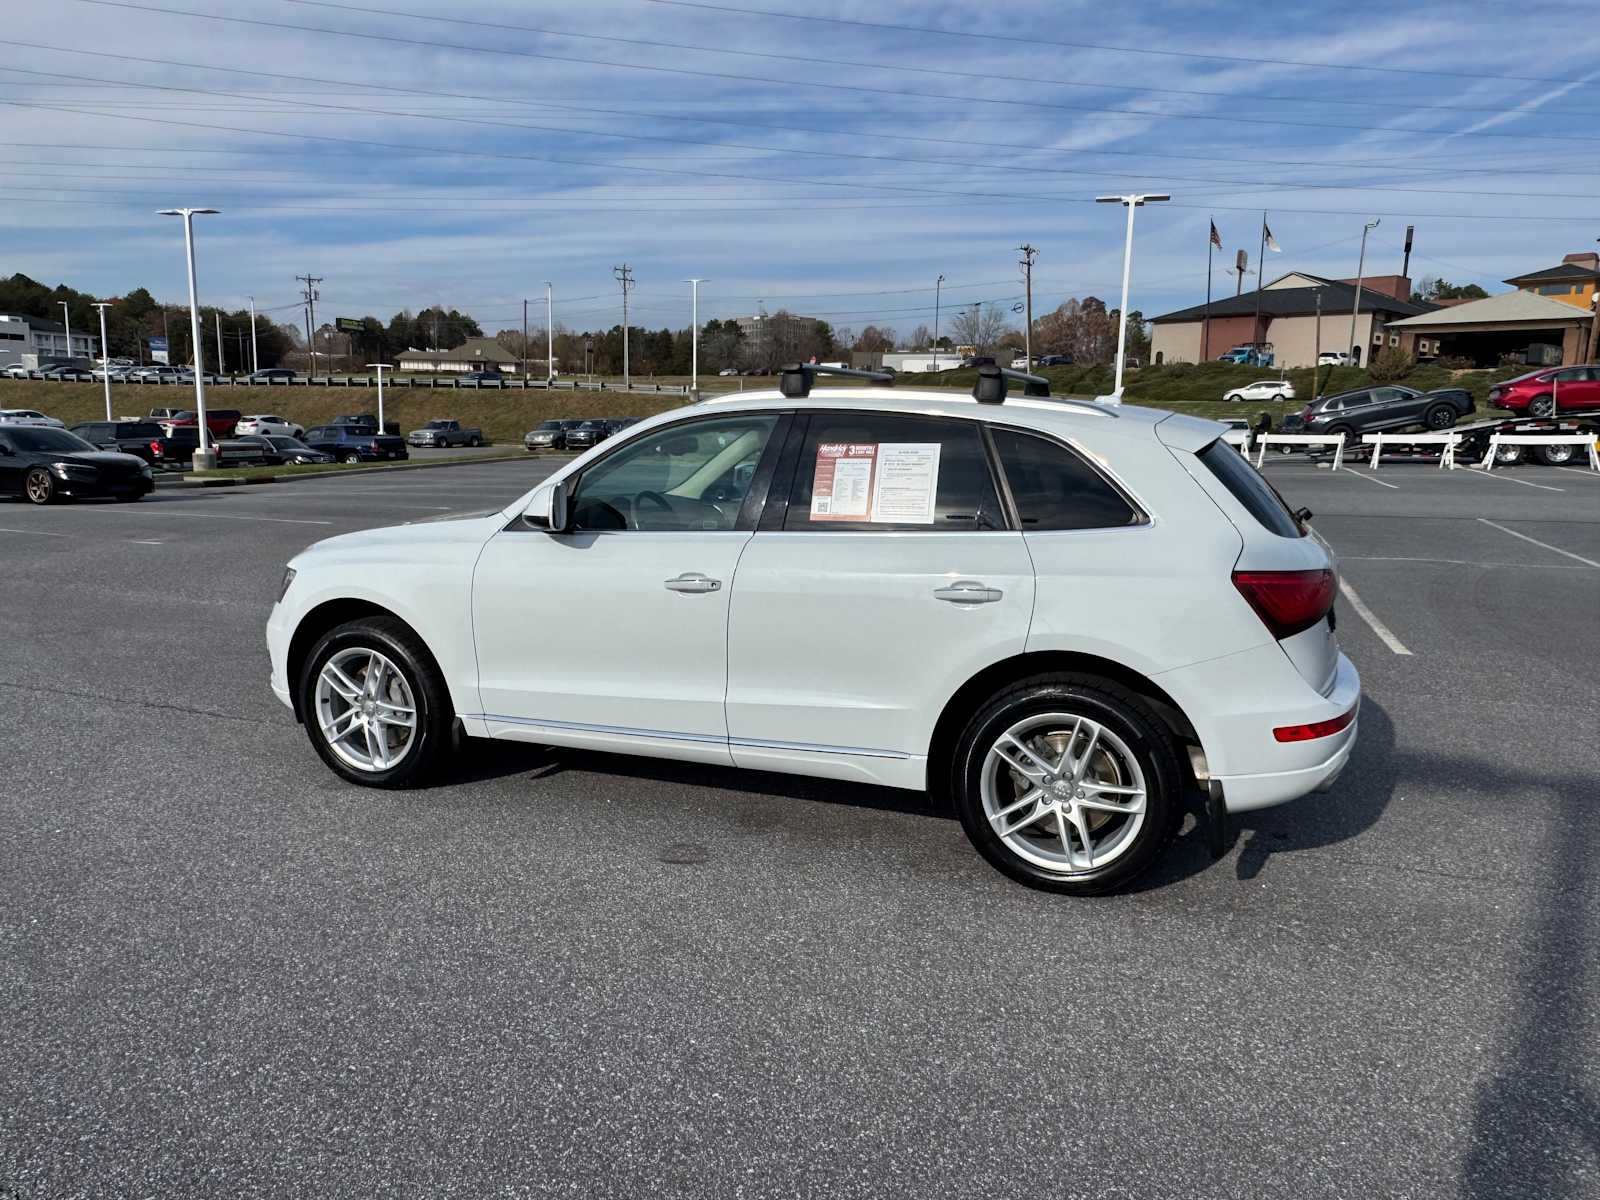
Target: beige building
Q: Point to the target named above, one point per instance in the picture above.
(1288, 321)
(1523, 325)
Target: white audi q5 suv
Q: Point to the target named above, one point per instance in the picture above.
(1072, 619)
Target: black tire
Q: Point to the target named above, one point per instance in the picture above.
(1280, 398)
(1542, 406)
(350, 457)
(1555, 456)
(394, 639)
(1510, 456)
(1122, 713)
(1440, 416)
(474, 441)
(1336, 430)
(39, 488)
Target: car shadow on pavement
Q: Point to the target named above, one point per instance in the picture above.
(1353, 806)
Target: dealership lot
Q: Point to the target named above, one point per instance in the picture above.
(226, 972)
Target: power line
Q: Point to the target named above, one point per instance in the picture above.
(1014, 39)
(435, 45)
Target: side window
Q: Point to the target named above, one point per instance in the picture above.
(1335, 405)
(1055, 489)
(860, 471)
(691, 476)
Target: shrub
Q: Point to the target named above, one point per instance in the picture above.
(1456, 362)
(1390, 365)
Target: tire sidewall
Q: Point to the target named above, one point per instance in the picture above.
(426, 692)
(1441, 416)
(50, 486)
(1138, 731)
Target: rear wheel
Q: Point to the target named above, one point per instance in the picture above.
(1280, 398)
(374, 703)
(1440, 416)
(350, 456)
(1067, 783)
(1508, 456)
(39, 488)
(1554, 456)
(475, 441)
(1542, 406)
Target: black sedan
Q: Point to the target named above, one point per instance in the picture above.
(44, 465)
(279, 448)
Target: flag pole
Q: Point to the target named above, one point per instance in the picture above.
(1261, 281)
(1205, 325)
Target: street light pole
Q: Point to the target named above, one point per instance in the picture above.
(66, 316)
(694, 338)
(938, 290)
(1361, 270)
(1131, 202)
(379, 367)
(255, 359)
(204, 458)
(105, 354)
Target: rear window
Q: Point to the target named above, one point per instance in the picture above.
(1250, 489)
(139, 429)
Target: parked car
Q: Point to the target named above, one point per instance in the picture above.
(1376, 409)
(140, 438)
(267, 423)
(1265, 389)
(271, 375)
(550, 435)
(66, 374)
(971, 663)
(482, 377)
(1333, 358)
(220, 422)
(1055, 360)
(1544, 393)
(1249, 356)
(157, 374)
(587, 434)
(16, 371)
(356, 443)
(43, 465)
(442, 432)
(978, 360)
(163, 415)
(27, 416)
(366, 421)
(728, 371)
(293, 450)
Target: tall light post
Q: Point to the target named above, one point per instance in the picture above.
(938, 291)
(1131, 202)
(694, 338)
(255, 359)
(549, 333)
(205, 458)
(105, 354)
(66, 316)
(379, 367)
(1361, 271)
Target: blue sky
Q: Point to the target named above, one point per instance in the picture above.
(466, 160)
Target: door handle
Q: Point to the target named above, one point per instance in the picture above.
(693, 582)
(967, 591)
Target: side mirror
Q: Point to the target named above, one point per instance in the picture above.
(548, 510)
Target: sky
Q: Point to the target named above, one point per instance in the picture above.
(830, 157)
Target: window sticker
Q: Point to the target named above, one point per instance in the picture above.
(907, 480)
(841, 489)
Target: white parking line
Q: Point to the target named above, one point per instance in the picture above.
(1371, 479)
(34, 532)
(1504, 478)
(155, 510)
(1585, 471)
(1543, 545)
(1456, 562)
(1385, 635)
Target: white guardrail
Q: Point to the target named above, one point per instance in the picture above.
(1586, 440)
(1302, 439)
(1448, 440)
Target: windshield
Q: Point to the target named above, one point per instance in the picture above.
(288, 443)
(33, 437)
(437, 425)
(550, 425)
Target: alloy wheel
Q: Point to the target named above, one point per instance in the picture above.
(40, 489)
(1063, 792)
(1542, 406)
(365, 709)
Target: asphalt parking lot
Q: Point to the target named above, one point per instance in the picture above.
(561, 974)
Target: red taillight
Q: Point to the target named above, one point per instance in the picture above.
(1287, 601)
(1317, 729)
(155, 448)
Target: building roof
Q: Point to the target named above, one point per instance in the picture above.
(479, 349)
(1507, 307)
(1564, 271)
(1296, 302)
(41, 325)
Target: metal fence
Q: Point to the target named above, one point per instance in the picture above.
(403, 381)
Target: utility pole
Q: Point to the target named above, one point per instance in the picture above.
(549, 333)
(311, 297)
(1316, 364)
(66, 315)
(1361, 270)
(255, 359)
(524, 343)
(1028, 253)
(624, 275)
(938, 288)
(222, 368)
(105, 354)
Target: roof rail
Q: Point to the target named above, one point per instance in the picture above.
(993, 383)
(796, 379)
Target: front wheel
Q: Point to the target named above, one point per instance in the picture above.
(39, 488)
(1067, 783)
(374, 704)
(1440, 416)
(1542, 406)
(1508, 456)
(350, 457)
(1280, 398)
(474, 441)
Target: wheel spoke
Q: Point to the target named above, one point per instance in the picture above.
(1023, 760)
(1082, 763)
(374, 675)
(1135, 803)
(1028, 806)
(1082, 826)
(377, 745)
(347, 688)
(401, 719)
(341, 726)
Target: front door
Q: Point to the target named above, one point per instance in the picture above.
(614, 633)
(883, 576)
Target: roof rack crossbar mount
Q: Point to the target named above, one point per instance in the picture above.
(795, 380)
(993, 383)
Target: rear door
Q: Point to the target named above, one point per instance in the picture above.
(883, 576)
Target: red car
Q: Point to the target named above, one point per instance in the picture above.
(1541, 393)
(220, 421)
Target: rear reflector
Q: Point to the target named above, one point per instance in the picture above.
(1317, 729)
(1288, 602)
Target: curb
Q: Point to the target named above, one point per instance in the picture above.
(188, 481)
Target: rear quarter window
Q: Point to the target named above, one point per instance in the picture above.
(1247, 485)
(1055, 489)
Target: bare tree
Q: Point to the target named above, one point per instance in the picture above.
(874, 340)
(921, 338)
(979, 327)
